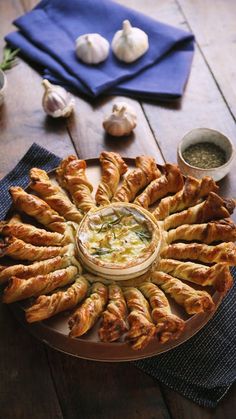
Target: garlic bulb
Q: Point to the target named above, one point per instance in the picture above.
(92, 48)
(122, 120)
(129, 43)
(57, 102)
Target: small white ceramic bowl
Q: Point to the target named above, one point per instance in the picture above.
(200, 135)
(3, 86)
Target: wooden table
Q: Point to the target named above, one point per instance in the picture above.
(36, 381)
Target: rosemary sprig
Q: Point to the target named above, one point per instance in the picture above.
(110, 224)
(100, 252)
(143, 235)
(9, 59)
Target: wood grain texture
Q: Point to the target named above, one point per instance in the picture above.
(95, 390)
(84, 389)
(22, 119)
(202, 104)
(213, 23)
(26, 387)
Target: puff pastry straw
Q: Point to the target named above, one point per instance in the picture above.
(19, 289)
(113, 167)
(221, 253)
(47, 306)
(37, 208)
(18, 249)
(71, 175)
(171, 181)
(53, 195)
(222, 230)
(114, 317)
(146, 170)
(214, 207)
(192, 300)
(217, 275)
(142, 328)
(191, 193)
(91, 309)
(31, 234)
(37, 268)
(168, 325)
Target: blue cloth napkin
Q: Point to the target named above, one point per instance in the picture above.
(47, 37)
(204, 367)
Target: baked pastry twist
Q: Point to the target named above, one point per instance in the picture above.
(222, 230)
(217, 275)
(47, 306)
(91, 309)
(113, 167)
(191, 193)
(37, 208)
(71, 175)
(171, 181)
(146, 170)
(213, 208)
(31, 234)
(142, 328)
(114, 317)
(192, 300)
(19, 289)
(221, 253)
(18, 249)
(37, 268)
(53, 195)
(168, 325)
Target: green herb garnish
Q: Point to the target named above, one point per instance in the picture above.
(109, 224)
(143, 235)
(9, 59)
(101, 251)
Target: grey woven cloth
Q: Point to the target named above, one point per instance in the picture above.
(204, 367)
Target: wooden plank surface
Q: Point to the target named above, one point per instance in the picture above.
(78, 388)
(213, 23)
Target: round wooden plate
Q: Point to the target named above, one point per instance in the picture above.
(54, 332)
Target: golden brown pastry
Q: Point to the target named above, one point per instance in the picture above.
(71, 175)
(53, 195)
(114, 317)
(37, 208)
(37, 268)
(31, 234)
(192, 300)
(217, 275)
(168, 325)
(223, 252)
(191, 193)
(146, 170)
(91, 309)
(113, 167)
(213, 208)
(142, 328)
(19, 289)
(18, 249)
(222, 230)
(171, 181)
(47, 306)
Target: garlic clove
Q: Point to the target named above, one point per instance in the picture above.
(130, 43)
(92, 48)
(57, 102)
(122, 120)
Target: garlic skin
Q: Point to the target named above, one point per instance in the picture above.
(92, 48)
(57, 102)
(130, 43)
(122, 120)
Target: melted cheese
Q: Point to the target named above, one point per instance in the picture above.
(117, 236)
